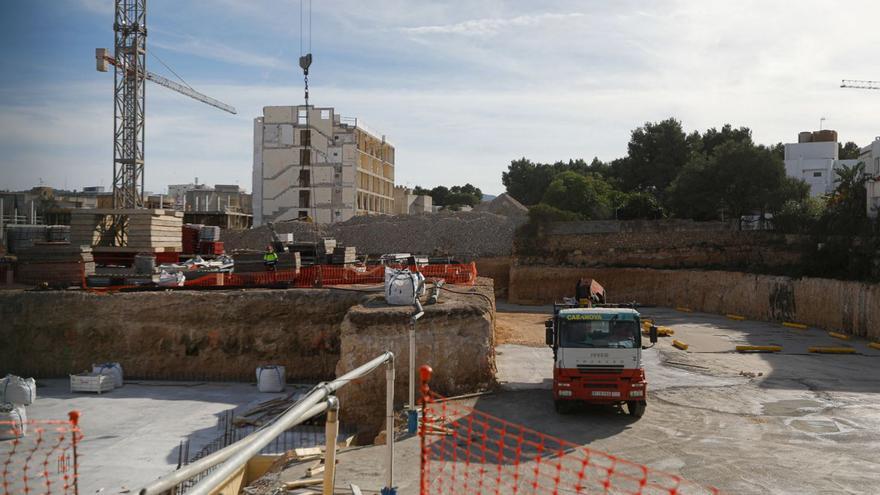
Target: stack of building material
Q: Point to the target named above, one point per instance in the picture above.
(344, 255)
(190, 238)
(326, 246)
(58, 233)
(21, 237)
(147, 230)
(56, 264)
(209, 233)
(159, 230)
(252, 262)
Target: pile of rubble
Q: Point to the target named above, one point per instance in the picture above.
(463, 234)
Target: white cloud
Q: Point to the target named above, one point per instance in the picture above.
(488, 27)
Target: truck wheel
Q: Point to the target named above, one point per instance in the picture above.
(636, 408)
(562, 406)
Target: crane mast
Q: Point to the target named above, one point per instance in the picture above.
(129, 97)
(130, 27)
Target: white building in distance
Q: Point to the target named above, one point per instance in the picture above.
(309, 162)
(870, 156)
(814, 159)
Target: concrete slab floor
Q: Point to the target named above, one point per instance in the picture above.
(132, 434)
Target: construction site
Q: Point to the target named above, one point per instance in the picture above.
(336, 332)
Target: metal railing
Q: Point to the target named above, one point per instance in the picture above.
(225, 462)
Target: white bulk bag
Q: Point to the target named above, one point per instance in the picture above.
(271, 378)
(402, 286)
(176, 279)
(112, 369)
(13, 421)
(18, 390)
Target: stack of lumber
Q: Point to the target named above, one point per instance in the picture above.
(21, 237)
(156, 229)
(147, 230)
(326, 246)
(343, 255)
(58, 264)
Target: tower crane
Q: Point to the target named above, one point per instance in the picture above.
(130, 70)
(857, 84)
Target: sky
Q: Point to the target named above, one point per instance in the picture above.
(460, 88)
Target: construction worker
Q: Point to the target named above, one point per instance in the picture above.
(270, 259)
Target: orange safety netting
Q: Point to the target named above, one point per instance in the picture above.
(41, 460)
(323, 275)
(468, 451)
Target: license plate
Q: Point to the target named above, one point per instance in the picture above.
(605, 393)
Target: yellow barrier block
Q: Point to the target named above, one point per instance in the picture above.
(832, 350)
(758, 348)
(679, 344)
(874, 345)
(684, 309)
(665, 331)
(799, 326)
(841, 336)
(736, 317)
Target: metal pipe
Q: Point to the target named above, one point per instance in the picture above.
(389, 425)
(175, 478)
(293, 416)
(331, 430)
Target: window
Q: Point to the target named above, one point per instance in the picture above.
(817, 174)
(576, 332)
(305, 137)
(305, 157)
(305, 178)
(302, 117)
(325, 114)
(303, 214)
(304, 199)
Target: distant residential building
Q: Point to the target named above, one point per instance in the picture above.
(814, 158)
(219, 198)
(310, 162)
(407, 203)
(870, 156)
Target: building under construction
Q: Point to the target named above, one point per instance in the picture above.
(338, 170)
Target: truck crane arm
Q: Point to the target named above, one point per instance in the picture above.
(103, 59)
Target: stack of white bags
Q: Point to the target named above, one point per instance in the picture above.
(15, 394)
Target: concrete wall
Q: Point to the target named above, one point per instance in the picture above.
(850, 307)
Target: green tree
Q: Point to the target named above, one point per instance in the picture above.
(848, 151)
(714, 138)
(846, 212)
(640, 206)
(798, 217)
(527, 181)
(586, 195)
(421, 191)
(656, 154)
(439, 194)
(738, 177)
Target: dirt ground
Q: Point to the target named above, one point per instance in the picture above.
(522, 325)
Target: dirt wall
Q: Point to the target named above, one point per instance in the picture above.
(216, 335)
(498, 269)
(851, 307)
(455, 337)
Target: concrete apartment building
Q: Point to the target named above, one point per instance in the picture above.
(338, 170)
(814, 158)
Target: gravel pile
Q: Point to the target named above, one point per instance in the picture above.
(465, 234)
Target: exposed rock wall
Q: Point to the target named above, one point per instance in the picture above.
(498, 269)
(455, 337)
(216, 335)
(851, 307)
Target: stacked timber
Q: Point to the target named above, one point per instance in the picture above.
(344, 255)
(21, 237)
(157, 230)
(58, 264)
(147, 230)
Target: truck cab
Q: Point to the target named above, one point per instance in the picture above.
(598, 357)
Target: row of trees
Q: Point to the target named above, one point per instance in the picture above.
(453, 197)
(720, 173)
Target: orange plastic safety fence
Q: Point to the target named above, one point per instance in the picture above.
(468, 451)
(39, 456)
